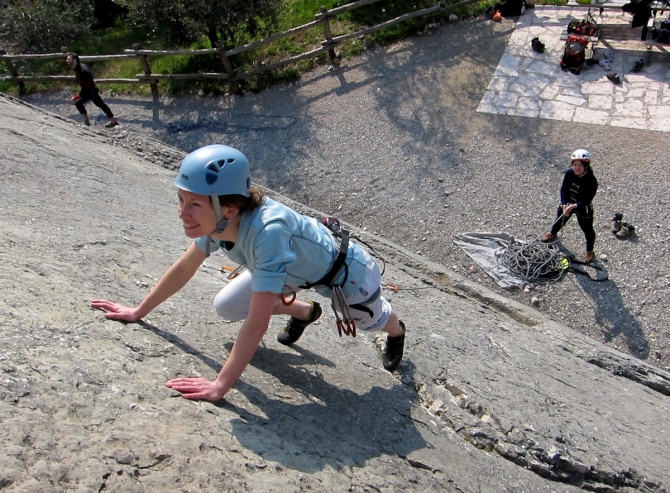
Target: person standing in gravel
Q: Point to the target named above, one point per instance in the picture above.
(88, 92)
(577, 192)
(283, 252)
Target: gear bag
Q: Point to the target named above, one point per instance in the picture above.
(574, 54)
(583, 28)
(661, 33)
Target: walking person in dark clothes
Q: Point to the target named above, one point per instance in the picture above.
(577, 192)
(89, 91)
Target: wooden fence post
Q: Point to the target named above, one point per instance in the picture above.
(334, 57)
(228, 67)
(145, 66)
(14, 72)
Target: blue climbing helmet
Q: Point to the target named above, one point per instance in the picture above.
(215, 170)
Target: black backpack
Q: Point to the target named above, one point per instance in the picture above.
(662, 34)
(509, 8)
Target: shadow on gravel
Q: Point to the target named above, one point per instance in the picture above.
(259, 123)
(338, 428)
(613, 317)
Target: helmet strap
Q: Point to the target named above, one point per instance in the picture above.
(221, 223)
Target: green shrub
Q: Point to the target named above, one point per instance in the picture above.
(294, 13)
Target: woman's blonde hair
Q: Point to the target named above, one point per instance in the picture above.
(253, 201)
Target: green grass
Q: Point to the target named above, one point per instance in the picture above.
(298, 12)
(295, 13)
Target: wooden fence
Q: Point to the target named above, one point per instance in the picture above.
(229, 73)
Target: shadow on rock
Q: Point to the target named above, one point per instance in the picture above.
(338, 428)
(181, 344)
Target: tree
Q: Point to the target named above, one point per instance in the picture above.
(43, 25)
(107, 12)
(182, 22)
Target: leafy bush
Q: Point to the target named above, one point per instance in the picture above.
(182, 22)
(31, 27)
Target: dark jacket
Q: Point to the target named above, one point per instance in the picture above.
(641, 11)
(579, 190)
(85, 81)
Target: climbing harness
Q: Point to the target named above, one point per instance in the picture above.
(339, 304)
(345, 323)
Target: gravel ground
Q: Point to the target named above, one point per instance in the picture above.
(392, 142)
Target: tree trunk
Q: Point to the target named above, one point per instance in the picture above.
(213, 36)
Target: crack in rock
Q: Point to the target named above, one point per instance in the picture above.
(476, 424)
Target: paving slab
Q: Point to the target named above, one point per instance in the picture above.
(532, 85)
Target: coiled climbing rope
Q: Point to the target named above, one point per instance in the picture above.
(534, 261)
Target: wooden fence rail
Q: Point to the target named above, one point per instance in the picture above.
(322, 18)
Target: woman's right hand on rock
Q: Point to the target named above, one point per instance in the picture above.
(116, 311)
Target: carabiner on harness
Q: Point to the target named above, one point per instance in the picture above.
(339, 304)
(338, 301)
(233, 272)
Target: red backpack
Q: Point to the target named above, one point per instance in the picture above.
(583, 27)
(574, 55)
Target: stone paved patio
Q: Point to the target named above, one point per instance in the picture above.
(530, 84)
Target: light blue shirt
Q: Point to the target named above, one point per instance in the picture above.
(284, 248)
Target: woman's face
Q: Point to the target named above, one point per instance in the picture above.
(578, 167)
(196, 213)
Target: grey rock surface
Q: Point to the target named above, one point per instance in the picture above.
(493, 395)
(392, 143)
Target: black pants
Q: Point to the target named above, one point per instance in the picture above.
(585, 221)
(97, 100)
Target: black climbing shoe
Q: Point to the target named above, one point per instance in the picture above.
(616, 222)
(614, 78)
(295, 327)
(394, 350)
